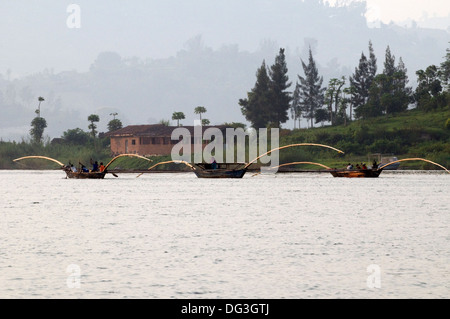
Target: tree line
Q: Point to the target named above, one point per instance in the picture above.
(75, 136)
(79, 136)
(365, 94)
(177, 116)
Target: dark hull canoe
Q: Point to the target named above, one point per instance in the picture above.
(355, 173)
(85, 175)
(220, 171)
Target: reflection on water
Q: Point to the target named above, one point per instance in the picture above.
(266, 236)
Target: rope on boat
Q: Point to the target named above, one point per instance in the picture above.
(292, 145)
(414, 159)
(39, 157)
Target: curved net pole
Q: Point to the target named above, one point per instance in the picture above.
(414, 159)
(39, 157)
(296, 163)
(126, 155)
(175, 161)
(292, 145)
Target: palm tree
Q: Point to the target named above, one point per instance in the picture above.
(38, 111)
(178, 116)
(93, 118)
(200, 110)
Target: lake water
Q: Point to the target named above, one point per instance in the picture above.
(293, 236)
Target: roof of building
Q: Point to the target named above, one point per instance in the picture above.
(155, 130)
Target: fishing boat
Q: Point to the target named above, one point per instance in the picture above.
(352, 173)
(375, 172)
(83, 175)
(219, 170)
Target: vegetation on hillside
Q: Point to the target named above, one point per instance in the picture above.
(410, 134)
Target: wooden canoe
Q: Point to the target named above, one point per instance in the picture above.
(222, 170)
(355, 173)
(84, 175)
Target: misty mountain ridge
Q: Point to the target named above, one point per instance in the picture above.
(147, 90)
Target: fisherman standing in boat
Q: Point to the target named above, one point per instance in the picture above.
(213, 163)
(374, 164)
(94, 165)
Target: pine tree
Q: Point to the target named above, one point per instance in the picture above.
(445, 71)
(372, 64)
(396, 95)
(359, 82)
(256, 107)
(401, 90)
(279, 83)
(373, 107)
(389, 63)
(311, 91)
(296, 106)
(389, 92)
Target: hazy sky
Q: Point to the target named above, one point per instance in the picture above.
(400, 10)
(38, 35)
(35, 36)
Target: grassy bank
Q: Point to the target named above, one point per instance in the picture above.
(63, 153)
(412, 134)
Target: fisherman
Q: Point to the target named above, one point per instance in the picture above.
(349, 166)
(94, 165)
(102, 167)
(213, 163)
(73, 168)
(364, 166)
(374, 164)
